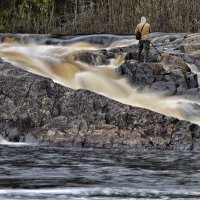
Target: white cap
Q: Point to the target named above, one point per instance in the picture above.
(143, 20)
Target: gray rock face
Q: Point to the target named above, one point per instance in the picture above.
(155, 77)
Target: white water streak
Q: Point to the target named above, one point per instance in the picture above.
(195, 70)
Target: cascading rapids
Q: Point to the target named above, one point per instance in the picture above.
(58, 63)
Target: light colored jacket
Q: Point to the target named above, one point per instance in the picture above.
(145, 31)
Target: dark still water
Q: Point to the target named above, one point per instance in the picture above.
(40, 172)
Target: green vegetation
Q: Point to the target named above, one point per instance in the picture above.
(97, 16)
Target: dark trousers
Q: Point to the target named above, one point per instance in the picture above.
(143, 44)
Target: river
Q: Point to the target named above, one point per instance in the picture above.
(54, 172)
(43, 172)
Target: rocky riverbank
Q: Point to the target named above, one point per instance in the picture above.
(35, 109)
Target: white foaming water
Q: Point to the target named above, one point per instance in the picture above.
(5, 142)
(95, 193)
(123, 43)
(195, 70)
(59, 64)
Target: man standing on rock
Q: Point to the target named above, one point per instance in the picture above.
(144, 29)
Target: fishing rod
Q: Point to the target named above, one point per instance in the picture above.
(185, 36)
(156, 49)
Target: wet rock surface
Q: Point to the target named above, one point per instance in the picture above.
(156, 78)
(35, 109)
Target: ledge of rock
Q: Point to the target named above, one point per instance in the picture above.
(34, 109)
